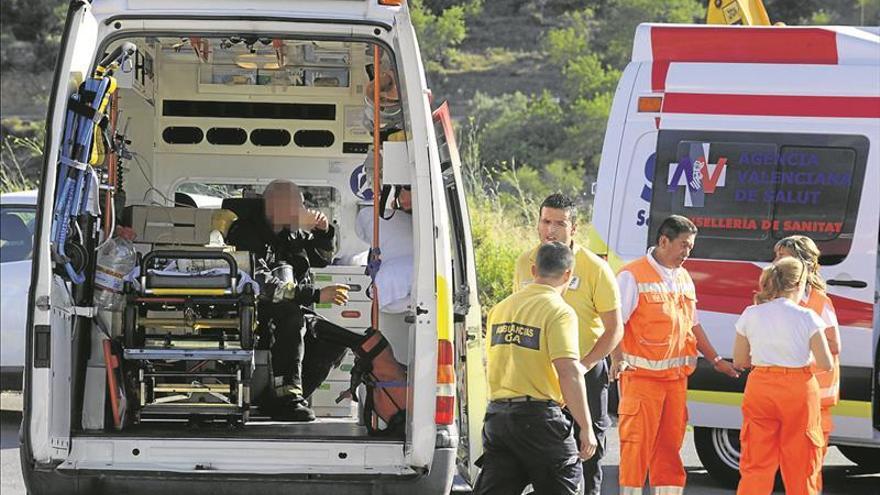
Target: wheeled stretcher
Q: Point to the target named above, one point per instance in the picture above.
(188, 336)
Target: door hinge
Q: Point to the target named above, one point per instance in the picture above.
(462, 300)
(42, 303)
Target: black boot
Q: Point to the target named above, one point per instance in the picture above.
(293, 409)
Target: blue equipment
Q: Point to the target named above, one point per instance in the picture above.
(83, 145)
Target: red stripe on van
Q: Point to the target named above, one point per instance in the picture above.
(739, 45)
(728, 287)
(773, 105)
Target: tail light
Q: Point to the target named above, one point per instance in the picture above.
(445, 410)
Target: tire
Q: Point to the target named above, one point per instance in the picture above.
(719, 451)
(130, 326)
(246, 327)
(867, 458)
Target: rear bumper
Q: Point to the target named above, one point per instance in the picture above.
(50, 481)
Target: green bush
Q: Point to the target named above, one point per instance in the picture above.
(499, 238)
(441, 28)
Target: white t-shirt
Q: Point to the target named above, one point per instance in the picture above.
(779, 332)
(395, 278)
(629, 289)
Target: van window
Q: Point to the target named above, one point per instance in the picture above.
(16, 232)
(745, 191)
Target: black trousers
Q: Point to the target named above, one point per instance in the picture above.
(287, 348)
(597, 400)
(527, 442)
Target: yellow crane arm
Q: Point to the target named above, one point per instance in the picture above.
(741, 12)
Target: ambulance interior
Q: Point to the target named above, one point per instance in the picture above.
(203, 125)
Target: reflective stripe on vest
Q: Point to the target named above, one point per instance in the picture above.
(829, 381)
(829, 392)
(662, 288)
(630, 490)
(657, 339)
(660, 365)
(667, 490)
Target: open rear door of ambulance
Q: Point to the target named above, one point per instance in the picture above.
(46, 414)
(470, 391)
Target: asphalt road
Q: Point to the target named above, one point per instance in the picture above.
(841, 476)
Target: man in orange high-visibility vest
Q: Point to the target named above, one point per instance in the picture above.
(661, 338)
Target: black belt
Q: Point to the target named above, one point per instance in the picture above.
(525, 399)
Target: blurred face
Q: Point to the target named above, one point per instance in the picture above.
(672, 253)
(405, 199)
(555, 225)
(782, 252)
(284, 207)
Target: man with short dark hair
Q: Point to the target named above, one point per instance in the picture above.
(592, 293)
(533, 369)
(289, 235)
(659, 350)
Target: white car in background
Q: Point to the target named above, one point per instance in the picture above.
(18, 213)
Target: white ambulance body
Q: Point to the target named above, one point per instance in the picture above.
(783, 126)
(213, 98)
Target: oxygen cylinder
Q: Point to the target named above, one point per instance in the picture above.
(115, 259)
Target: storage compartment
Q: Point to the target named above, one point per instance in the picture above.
(352, 276)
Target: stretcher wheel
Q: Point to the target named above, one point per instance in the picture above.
(246, 327)
(129, 326)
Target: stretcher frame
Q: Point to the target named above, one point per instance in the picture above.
(182, 375)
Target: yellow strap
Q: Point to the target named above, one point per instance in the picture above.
(189, 292)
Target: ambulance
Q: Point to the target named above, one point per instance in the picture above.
(215, 99)
(754, 133)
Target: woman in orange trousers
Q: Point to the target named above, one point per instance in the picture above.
(815, 298)
(781, 419)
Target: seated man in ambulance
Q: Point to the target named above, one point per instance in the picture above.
(289, 241)
(394, 280)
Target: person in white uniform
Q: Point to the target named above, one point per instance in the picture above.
(394, 280)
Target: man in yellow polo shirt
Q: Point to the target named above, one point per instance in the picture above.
(594, 295)
(533, 369)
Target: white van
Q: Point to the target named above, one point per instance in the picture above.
(784, 125)
(218, 99)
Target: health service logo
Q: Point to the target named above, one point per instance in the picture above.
(359, 183)
(697, 175)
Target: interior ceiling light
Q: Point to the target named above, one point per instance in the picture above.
(258, 61)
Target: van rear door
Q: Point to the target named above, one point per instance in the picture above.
(47, 400)
(470, 391)
(431, 288)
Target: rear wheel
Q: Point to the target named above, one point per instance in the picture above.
(719, 451)
(867, 458)
(246, 327)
